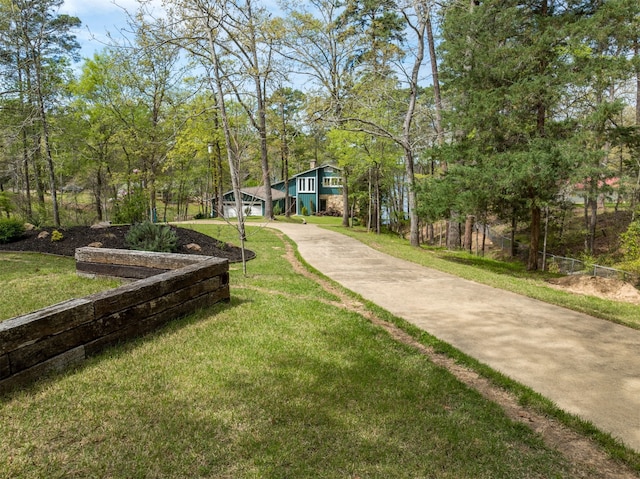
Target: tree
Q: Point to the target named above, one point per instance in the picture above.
(286, 105)
(415, 15)
(315, 44)
(36, 48)
(506, 75)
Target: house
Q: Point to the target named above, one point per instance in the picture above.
(316, 189)
(253, 201)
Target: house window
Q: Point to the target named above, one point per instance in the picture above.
(332, 182)
(306, 185)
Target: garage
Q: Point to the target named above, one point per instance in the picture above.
(250, 209)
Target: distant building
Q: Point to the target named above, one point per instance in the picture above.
(318, 189)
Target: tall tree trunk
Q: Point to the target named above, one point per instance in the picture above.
(636, 52)
(514, 225)
(45, 138)
(468, 232)
(231, 156)
(436, 82)
(345, 198)
(97, 194)
(27, 180)
(422, 12)
(534, 243)
(453, 239)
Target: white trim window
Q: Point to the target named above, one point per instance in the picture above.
(306, 185)
(332, 182)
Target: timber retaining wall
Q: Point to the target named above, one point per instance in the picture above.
(56, 337)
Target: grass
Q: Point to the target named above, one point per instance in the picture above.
(508, 276)
(34, 281)
(279, 383)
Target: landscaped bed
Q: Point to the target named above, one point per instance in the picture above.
(115, 237)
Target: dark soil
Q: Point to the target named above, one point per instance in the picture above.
(114, 237)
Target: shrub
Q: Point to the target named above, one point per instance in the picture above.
(56, 236)
(304, 211)
(10, 229)
(5, 202)
(277, 210)
(630, 241)
(148, 236)
(132, 208)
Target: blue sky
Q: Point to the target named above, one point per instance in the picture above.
(98, 17)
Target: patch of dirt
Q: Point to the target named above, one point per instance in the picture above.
(114, 237)
(586, 458)
(606, 288)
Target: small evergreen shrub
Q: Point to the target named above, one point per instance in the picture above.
(148, 236)
(56, 236)
(304, 211)
(11, 229)
(277, 211)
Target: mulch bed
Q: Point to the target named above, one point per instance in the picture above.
(114, 237)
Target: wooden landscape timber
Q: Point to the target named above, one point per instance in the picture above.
(56, 337)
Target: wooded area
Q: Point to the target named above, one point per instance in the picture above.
(463, 110)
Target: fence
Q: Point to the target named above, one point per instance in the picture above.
(562, 264)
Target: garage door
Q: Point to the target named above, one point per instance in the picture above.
(254, 209)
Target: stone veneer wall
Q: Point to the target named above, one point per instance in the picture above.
(53, 338)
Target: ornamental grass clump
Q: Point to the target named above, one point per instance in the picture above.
(148, 236)
(11, 229)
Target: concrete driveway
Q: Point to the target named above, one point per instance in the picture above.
(587, 366)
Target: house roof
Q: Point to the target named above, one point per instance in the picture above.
(316, 168)
(260, 192)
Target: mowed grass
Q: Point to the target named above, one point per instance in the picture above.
(34, 281)
(277, 384)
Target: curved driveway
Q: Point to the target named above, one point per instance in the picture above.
(587, 366)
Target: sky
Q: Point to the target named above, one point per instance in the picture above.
(98, 17)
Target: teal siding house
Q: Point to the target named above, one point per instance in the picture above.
(318, 189)
(314, 190)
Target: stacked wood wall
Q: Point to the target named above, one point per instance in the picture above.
(53, 338)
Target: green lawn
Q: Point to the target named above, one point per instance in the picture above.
(279, 383)
(34, 281)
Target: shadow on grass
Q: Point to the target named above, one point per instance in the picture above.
(117, 350)
(513, 269)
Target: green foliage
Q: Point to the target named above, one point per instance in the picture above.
(132, 208)
(277, 210)
(148, 236)
(10, 229)
(56, 236)
(630, 241)
(304, 211)
(5, 202)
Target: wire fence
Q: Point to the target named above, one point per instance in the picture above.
(561, 264)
